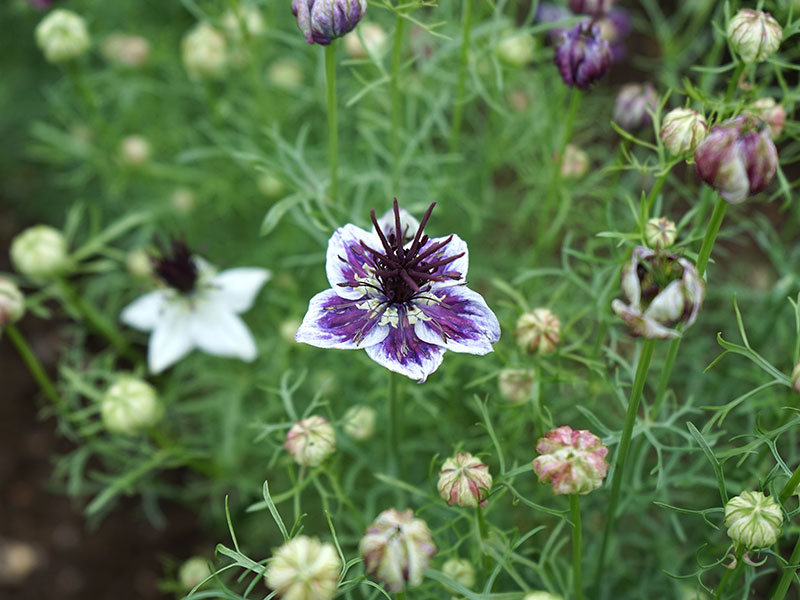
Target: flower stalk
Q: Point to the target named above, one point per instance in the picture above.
(575, 513)
(333, 125)
(35, 367)
(397, 52)
(458, 109)
(731, 574)
(395, 424)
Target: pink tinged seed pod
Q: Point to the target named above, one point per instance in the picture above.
(738, 158)
(464, 480)
(582, 56)
(575, 162)
(397, 549)
(573, 462)
(311, 441)
(661, 290)
(634, 104)
(682, 129)
(516, 385)
(754, 34)
(538, 331)
(772, 113)
(322, 21)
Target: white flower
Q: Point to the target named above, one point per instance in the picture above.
(198, 310)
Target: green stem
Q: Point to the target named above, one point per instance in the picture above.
(78, 80)
(656, 189)
(788, 574)
(401, 595)
(395, 425)
(333, 126)
(458, 109)
(575, 510)
(730, 575)
(35, 368)
(666, 371)
(622, 452)
(734, 82)
(711, 234)
(397, 53)
(790, 486)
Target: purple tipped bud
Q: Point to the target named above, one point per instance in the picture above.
(322, 21)
(595, 8)
(634, 103)
(582, 56)
(754, 34)
(738, 158)
(464, 480)
(772, 113)
(572, 461)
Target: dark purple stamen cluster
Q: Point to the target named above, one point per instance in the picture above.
(405, 272)
(175, 266)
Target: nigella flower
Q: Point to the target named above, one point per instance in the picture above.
(322, 21)
(402, 298)
(582, 56)
(198, 308)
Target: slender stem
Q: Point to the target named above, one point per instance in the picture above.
(788, 574)
(397, 53)
(656, 189)
(734, 82)
(395, 425)
(790, 486)
(575, 510)
(730, 575)
(624, 445)
(35, 367)
(711, 234)
(401, 595)
(666, 371)
(333, 126)
(458, 109)
(79, 81)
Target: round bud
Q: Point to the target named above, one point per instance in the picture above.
(575, 162)
(754, 34)
(304, 568)
(204, 52)
(129, 406)
(270, 186)
(39, 252)
(193, 572)
(12, 302)
(516, 385)
(538, 331)
(322, 21)
(311, 441)
(139, 263)
(182, 200)
(772, 113)
(134, 150)
(464, 481)
(62, 35)
(574, 462)
(369, 40)
(285, 74)
(660, 232)
(634, 103)
(125, 50)
(753, 520)
(516, 49)
(288, 328)
(682, 129)
(461, 571)
(796, 378)
(359, 422)
(397, 549)
(582, 55)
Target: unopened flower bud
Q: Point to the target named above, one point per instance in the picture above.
(311, 441)
(660, 232)
(204, 52)
(573, 462)
(130, 405)
(193, 572)
(322, 21)
(134, 150)
(125, 50)
(182, 200)
(12, 302)
(464, 480)
(772, 113)
(738, 158)
(288, 328)
(285, 74)
(369, 40)
(39, 252)
(542, 596)
(245, 18)
(516, 49)
(634, 104)
(397, 549)
(754, 34)
(682, 129)
(595, 8)
(139, 263)
(304, 568)
(796, 378)
(461, 571)
(516, 385)
(582, 56)
(359, 422)
(538, 331)
(270, 186)
(753, 520)
(62, 35)
(661, 291)
(575, 162)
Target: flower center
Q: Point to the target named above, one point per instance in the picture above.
(405, 268)
(656, 273)
(175, 267)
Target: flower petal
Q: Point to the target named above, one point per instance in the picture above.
(237, 288)
(345, 265)
(144, 312)
(403, 352)
(219, 332)
(459, 265)
(460, 321)
(334, 322)
(171, 339)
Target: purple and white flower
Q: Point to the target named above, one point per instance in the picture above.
(322, 21)
(401, 297)
(197, 308)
